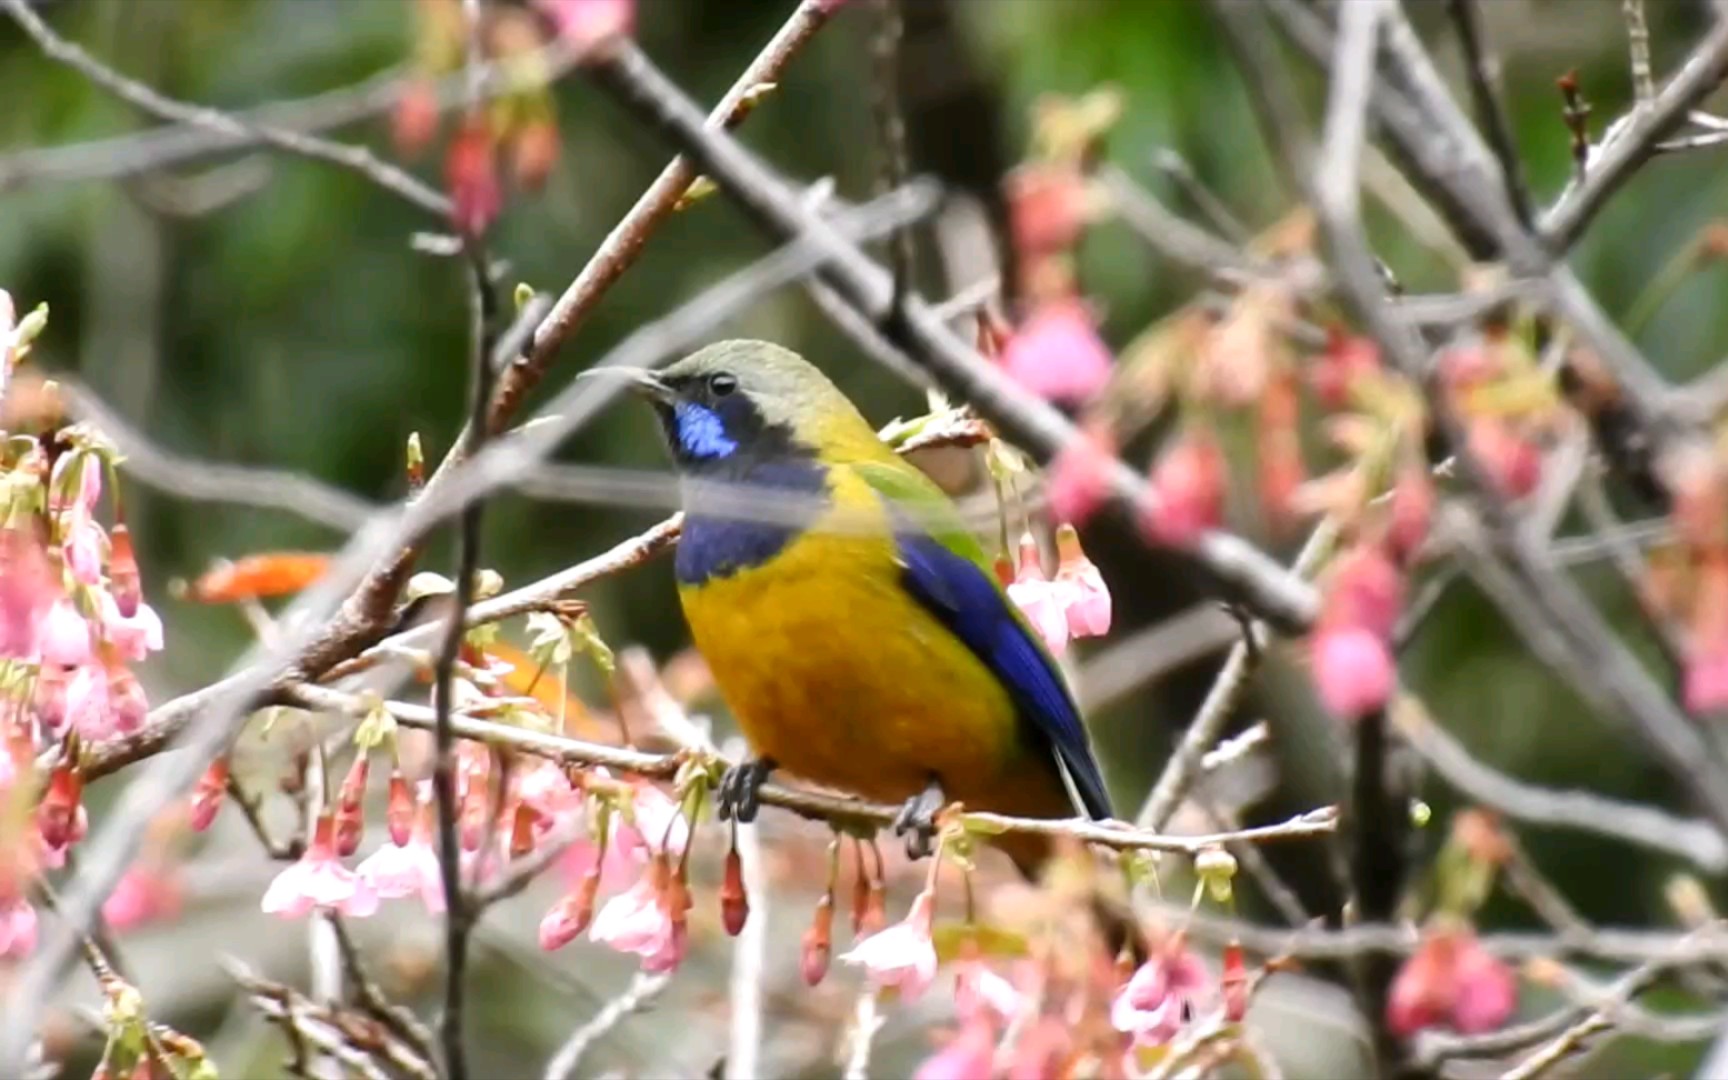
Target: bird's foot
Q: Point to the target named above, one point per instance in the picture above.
(917, 820)
(741, 789)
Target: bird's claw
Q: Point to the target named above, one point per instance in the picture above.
(916, 820)
(740, 793)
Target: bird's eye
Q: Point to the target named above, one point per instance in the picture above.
(722, 383)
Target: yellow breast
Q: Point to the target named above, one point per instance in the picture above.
(838, 674)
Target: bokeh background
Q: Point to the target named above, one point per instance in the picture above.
(264, 310)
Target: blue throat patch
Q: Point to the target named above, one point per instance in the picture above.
(701, 433)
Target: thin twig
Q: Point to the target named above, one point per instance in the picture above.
(357, 159)
(641, 992)
(817, 806)
(1638, 45)
(1484, 71)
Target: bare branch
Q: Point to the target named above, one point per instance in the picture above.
(356, 159)
(639, 995)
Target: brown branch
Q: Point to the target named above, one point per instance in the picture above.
(816, 806)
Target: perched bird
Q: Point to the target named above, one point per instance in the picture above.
(851, 620)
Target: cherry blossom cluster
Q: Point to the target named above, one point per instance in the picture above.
(520, 126)
(73, 621)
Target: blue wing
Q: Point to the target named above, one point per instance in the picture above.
(965, 600)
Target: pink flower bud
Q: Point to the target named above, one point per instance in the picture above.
(1451, 981)
(818, 942)
(350, 821)
(1057, 353)
(471, 174)
(1412, 512)
(1187, 491)
(399, 810)
(1337, 371)
(1047, 208)
(586, 23)
(57, 813)
(65, 635)
(127, 704)
(208, 795)
(1353, 671)
(1511, 462)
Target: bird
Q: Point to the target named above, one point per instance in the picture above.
(851, 620)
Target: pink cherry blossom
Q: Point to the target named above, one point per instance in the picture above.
(396, 870)
(901, 956)
(87, 708)
(1163, 994)
(1338, 370)
(1187, 489)
(1353, 671)
(127, 705)
(1510, 460)
(980, 990)
(1042, 601)
(1087, 597)
(319, 880)
(134, 636)
(640, 921)
(17, 927)
(658, 825)
(81, 495)
(970, 1055)
(1057, 353)
(1364, 590)
(65, 635)
(1451, 981)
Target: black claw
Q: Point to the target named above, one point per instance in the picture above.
(1245, 622)
(740, 793)
(916, 820)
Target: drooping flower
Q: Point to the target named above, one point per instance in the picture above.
(1042, 601)
(902, 956)
(1087, 599)
(124, 581)
(134, 636)
(572, 914)
(639, 920)
(817, 947)
(208, 795)
(397, 870)
(1412, 512)
(350, 819)
(1164, 993)
(319, 880)
(1057, 353)
(1451, 981)
(533, 153)
(1187, 491)
(1047, 208)
(734, 903)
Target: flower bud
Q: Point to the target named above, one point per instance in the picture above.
(1233, 982)
(123, 579)
(57, 814)
(734, 903)
(126, 701)
(818, 942)
(399, 810)
(207, 796)
(350, 821)
(1187, 488)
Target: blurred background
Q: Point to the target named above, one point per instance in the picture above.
(263, 310)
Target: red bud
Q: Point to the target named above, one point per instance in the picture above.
(818, 942)
(734, 904)
(399, 811)
(1234, 983)
(207, 796)
(57, 814)
(350, 819)
(522, 830)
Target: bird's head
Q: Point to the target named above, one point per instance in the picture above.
(737, 402)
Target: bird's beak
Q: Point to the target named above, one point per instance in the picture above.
(641, 380)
